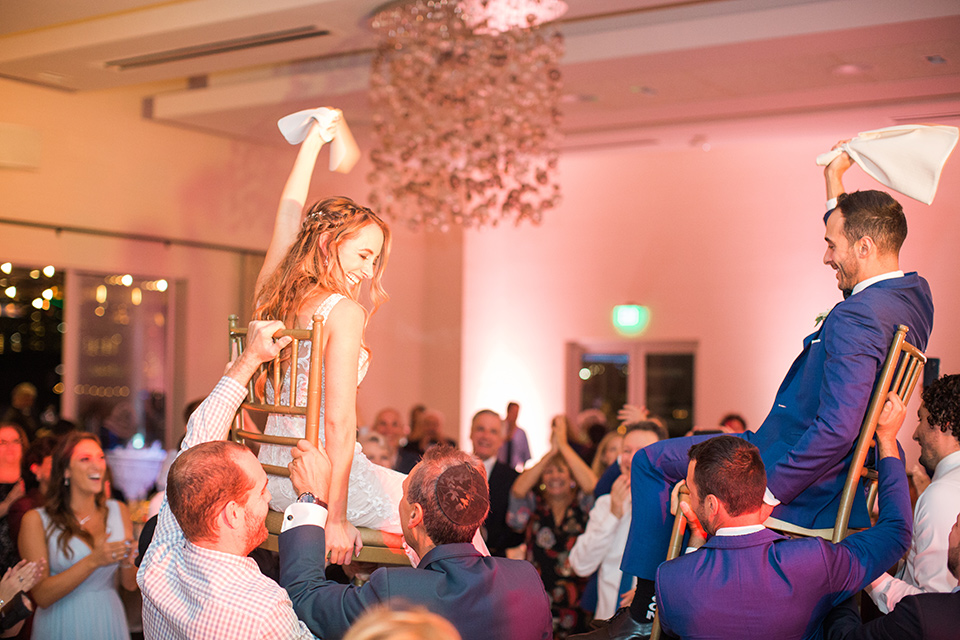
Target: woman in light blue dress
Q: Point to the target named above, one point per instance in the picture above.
(85, 540)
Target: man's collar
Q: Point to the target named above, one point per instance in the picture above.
(947, 464)
(739, 531)
(860, 286)
(743, 541)
(444, 551)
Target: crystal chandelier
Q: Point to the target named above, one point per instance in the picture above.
(466, 118)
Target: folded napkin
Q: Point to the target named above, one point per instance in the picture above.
(907, 158)
(344, 151)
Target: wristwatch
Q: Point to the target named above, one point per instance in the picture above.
(309, 498)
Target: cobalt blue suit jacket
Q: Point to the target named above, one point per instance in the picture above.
(764, 585)
(483, 597)
(807, 439)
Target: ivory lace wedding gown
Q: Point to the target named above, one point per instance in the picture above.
(374, 493)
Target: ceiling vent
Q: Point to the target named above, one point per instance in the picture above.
(213, 48)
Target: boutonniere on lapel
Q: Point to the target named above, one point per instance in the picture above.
(821, 317)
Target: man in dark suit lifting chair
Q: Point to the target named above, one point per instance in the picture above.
(445, 500)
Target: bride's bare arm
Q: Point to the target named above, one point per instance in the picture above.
(293, 199)
(344, 330)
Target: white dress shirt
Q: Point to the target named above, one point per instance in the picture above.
(601, 547)
(925, 570)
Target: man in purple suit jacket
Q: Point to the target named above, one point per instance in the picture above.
(807, 439)
(749, 582)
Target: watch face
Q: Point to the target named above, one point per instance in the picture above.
(306, 496)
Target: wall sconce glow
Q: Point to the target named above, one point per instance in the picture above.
(49, 271)
(6, 267)
(11, 292)
(126, 280)
(161, 285)
(101, 294)
(585, 373)
(37, 303)
(35, 274)
(136, 296)
(47, 294)
(630, 319)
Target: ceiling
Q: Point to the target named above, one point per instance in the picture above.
(635, 71)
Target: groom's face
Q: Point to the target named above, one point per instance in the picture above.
(840, 254)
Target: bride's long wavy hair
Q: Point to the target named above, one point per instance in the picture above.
(313, 263)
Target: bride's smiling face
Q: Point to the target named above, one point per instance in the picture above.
(358, 255)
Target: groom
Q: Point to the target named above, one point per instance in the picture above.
(807, 438)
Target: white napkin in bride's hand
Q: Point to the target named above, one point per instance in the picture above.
(344, 151)
(907, 158)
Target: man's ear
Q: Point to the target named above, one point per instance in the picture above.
(865, 246)
(712, 505)
(232, 514)
(416, 516)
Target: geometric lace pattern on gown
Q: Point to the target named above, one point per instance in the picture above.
(92, 611)
(374, 492)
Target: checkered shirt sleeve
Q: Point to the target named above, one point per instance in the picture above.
(198, 593)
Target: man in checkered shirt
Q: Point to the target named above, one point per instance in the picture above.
(195, 577)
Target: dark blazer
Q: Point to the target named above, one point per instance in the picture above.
(500, 537)
(765, 585)
(406, 460)
(807, 439)
(411, 453)
(483, 597)
(930, 616)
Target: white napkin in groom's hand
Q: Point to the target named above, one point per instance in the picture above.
(344, 151)
(907, 158)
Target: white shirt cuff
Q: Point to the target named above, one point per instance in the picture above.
(769, 498)
(300, 513)
(831, 204)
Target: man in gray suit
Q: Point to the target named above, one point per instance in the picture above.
(445, 500)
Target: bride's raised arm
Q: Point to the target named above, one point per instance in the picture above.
(294, 196)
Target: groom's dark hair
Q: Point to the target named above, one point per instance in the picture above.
(874, 214)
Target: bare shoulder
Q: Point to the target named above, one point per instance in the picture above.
(31, 519)
(346, 313)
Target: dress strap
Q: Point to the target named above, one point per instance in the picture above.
(327, 305)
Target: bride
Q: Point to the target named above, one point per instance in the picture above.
(316, 262)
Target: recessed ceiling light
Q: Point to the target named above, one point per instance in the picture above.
(849, 69)
(50, 77)
(570, 98)
(936, 60)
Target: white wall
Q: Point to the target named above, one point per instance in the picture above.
(725, 247)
